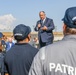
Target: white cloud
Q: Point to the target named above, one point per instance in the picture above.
(6, 21)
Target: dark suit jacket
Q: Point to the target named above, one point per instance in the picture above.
(46, 35)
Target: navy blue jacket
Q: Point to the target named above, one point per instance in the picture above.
(46, 35)
(19, 59)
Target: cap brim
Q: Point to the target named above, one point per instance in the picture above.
(62, 19)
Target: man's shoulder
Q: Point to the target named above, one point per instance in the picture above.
(7, 43)
(56, 46)
(32, 48)
(57, 49)
(49, 18)
(38, 21)
(10, 51)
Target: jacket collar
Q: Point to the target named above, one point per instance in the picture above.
(69, 37)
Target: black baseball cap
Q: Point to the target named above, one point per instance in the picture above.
(70, 17)
(21, 31)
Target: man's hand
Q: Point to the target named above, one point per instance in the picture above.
(39, 25)
(44, 28)
(6, 74)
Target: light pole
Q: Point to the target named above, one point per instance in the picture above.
(33, 27)
(55, 28)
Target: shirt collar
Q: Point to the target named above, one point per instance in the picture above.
(21, 43)
(43, 20)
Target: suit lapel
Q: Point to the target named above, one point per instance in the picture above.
(41, 22)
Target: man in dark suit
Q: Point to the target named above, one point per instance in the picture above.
(45, 28)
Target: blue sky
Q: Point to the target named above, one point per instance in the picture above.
(14, 12)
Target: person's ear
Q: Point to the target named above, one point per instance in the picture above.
(64, 28)
(29, 37)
